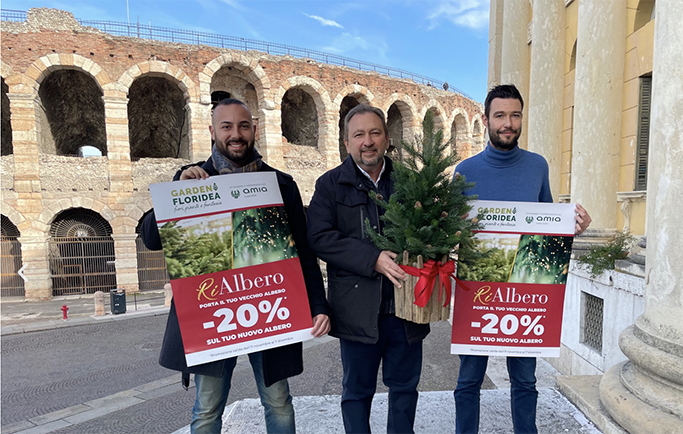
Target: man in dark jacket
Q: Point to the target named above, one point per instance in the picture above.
(361, 279)
(233, 152)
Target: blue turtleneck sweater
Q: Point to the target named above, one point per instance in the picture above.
(516, 175)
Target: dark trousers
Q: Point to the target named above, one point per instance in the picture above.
(523, 393)
(401, 367)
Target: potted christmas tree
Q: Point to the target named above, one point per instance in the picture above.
(424, 220)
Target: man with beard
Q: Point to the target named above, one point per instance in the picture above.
(361, 279)
(233, 152)
(504, 172)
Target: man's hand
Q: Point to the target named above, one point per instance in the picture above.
(385, 264)
(194, 172)
(321, 325)
(583, 220)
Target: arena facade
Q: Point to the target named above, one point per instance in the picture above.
(89, 120)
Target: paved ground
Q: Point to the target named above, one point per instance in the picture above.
(100, 375)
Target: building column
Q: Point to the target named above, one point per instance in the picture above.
(514, 64)
(125, 252)
(546, 88)
(25, 144)
(328, 137)
(270, 141)
(645, 393)
(598, 85)
(495, 41)
(118, 144)
(34, 256)
(199, 135)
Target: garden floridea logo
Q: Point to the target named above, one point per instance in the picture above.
(188, 195)
(498, 214)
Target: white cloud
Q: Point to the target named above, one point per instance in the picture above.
(234, 4)
(473, 14)
(325, 22)
(347, 44)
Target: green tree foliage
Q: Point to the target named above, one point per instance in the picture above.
(602, 258)
(189, 255)
(542, 259)
(262, 235)
(424, 213)
(483, 264)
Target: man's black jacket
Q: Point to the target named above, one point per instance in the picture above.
(278, 363)
(336, 233)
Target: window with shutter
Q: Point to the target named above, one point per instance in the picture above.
(643, 134)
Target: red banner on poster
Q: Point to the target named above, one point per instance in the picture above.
(241, 311)
(523, 319)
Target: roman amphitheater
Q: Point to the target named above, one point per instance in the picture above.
(90, 119)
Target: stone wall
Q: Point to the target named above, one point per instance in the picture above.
(140, 101)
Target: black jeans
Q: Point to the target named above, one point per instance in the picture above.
(401, 368)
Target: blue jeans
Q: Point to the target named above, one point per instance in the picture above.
(401, 367)
(523, 393)
(212, 395)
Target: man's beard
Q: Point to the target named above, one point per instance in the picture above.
(504, 145)
(237, 156)
(371, 161)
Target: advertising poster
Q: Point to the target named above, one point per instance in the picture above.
(509, 292)
(234, 269)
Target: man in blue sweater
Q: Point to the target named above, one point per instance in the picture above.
(504, 172)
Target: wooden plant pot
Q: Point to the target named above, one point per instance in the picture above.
(404, 299)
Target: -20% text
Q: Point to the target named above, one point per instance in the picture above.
(248, 315)
(509, 324)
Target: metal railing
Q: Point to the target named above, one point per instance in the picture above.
(82, 265)
(137, 30)
(151, 267)
(11, 284)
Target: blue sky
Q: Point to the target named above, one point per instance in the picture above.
(443, 39)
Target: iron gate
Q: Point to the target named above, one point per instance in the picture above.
(82, 265)
(151, 267)
(11, 283)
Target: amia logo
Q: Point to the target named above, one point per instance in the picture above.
(235, 193)
(529, 219)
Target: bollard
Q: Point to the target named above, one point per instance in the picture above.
(65, 309)
(169, 294)
(99, 303)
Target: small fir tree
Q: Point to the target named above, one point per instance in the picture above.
(424, 215)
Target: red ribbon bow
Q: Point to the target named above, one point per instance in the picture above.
(425, 284)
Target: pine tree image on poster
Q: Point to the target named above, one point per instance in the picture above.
(542, 259)
(262, 235)
(188, 254)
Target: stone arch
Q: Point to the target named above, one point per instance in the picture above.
(571, 65)
(12, 214)
(349, 97)
(157, 68)
(70, 112)
(41, 68)
(357, 91)
(439, 117)
(401, 115)
(158, 130)
(47, 217)
(251, 69)
(81, 252)
(320, 97)
(644, 14)
(460, 131)
(478, 134)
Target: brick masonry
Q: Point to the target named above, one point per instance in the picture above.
(37, 186)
